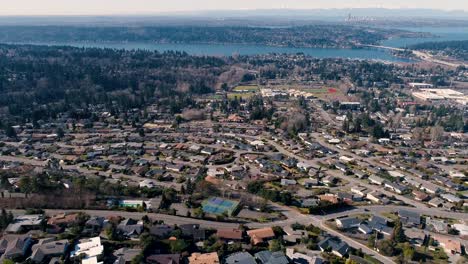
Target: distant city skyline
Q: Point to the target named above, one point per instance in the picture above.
(135, 7)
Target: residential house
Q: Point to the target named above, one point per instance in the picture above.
(360, 174)
(48, 248)
(379, 224)
(240, 258)
(311, 202)
(450, 246)
(175, 167)
(289, 163)
(409, 218)
(338, 247)
(359, 190)
(194, 231)
(430, 188)
(300, 258)
(89, 248)
(293, 236)
(342, 167)
(268, 257)
(207, 258)
(359, 260)
(329, 180)
(208, 151)
(125, 255)
(347, 222)
(94, 224)
(420, 196)
(161, 231)
(331, 198)
(450, 198)
(164, 259)
(130, 228)
(229, 234)
(147, 183)
(261, 235)
(365, 229)
(377, 197)
(438, 226)
(24, 223)
(14, 246)
(436, 202)
(376, 180)
(64, 219)
(287, 182)
(345, 197)
(304, 166)
(395, 187)
(309, 183)
(463, 229)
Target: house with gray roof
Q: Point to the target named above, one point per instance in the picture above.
(409, 218)
(293, 236)
(240, 258)
(95, 223)
(301, 258)
(24, 223)
(337, 247)
(125, 255)
(130, 228)
(14, 246)
(365, 229)
(161, 230)
(450, 198)
(47, 248)
(268, 257)
(347, 222)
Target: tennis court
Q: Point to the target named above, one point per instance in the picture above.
(218, 206)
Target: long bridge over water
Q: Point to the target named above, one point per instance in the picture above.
(421, 55)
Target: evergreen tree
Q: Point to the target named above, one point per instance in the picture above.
(10, 132)
(398, 234)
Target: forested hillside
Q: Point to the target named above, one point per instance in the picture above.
(303, 36)
(39, 81)
(455, 49)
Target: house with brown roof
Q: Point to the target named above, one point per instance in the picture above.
(63, 219)
(235, 118)
(450, 246)
(329, 198)
(229, 234)
(207, 258)
(258, 236)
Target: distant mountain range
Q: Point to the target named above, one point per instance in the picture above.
(264, 17)
(337, 13)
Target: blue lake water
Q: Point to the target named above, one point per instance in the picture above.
(233, 49)
(442, 34)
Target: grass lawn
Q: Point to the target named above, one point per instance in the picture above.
(391, 216)
(249, 88)
(240, 95)
(317, 91)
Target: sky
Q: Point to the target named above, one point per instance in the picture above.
(129, 7)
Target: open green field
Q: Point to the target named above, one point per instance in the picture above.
(240, 95)
(247, 88)
(317, 91)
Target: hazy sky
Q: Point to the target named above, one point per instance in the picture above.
(93, 7)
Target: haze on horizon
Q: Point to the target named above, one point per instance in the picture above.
(136, 7)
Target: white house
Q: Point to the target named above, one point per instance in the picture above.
(90, 249)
